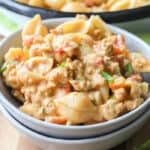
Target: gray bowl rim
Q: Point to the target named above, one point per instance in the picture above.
(28, 131)
(146, 103)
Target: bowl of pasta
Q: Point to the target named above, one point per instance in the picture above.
(97, 143)
(74, 77)
(110, 10)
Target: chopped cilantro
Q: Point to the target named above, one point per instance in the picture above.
(113, 97)
(84, 45)
(5, 65)
(62, 64)
(79, 78)
(128, 68)
(43, 110)
(106, 76)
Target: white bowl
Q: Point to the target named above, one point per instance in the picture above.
(11, 104)
(97, 143)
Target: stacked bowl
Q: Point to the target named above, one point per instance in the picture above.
(103, 142)
(101, 136)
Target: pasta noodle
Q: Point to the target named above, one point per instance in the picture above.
(86, 5)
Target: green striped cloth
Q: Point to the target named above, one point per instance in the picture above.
(145, 37)
(10, 21)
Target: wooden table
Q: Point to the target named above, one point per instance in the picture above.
(11, 139)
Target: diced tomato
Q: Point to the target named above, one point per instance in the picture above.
(99, 61)
(60, 51)
(118, 40)
(121, 38)
(28, 41)
(136, 77)
(117, 83)
(31, 39)
(18, 58)
(89, 3)
(118, 51)
(57, 120)
(115, 42)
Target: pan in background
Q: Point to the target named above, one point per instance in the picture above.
(111, 17)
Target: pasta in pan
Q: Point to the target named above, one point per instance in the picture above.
(86, 5)
(77, 73)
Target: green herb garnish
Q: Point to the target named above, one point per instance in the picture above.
(128, 68)
(62, 64)
(79, 78)
(113, 97)
(6, 64)
(43, 110)
(144, 146)
(107, 76)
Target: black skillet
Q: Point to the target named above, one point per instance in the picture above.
(111, 17)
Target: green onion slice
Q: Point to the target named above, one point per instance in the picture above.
(62, 64)
(6, 64)
(128, 68)
(113, 97)
(107, 76)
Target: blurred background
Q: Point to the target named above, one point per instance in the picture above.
(14, 17)
(12, 20)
